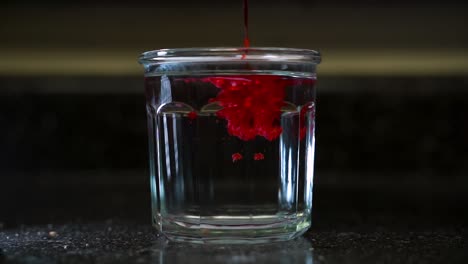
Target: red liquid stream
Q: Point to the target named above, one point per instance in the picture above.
(246, 24)
(251, 103)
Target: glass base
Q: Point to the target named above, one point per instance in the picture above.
(233, 229)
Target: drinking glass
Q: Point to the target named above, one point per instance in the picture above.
(231, 142)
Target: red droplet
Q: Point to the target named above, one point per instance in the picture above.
(259, 156)
(192, 115)
(236, 157)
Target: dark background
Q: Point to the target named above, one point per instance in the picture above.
(392, 104)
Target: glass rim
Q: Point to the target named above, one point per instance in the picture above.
(212, 54)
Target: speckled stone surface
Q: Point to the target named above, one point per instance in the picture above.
(117, 242)
(390, 183)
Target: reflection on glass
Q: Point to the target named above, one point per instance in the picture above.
(296, 251)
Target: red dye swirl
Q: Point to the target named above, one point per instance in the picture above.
(251, 104)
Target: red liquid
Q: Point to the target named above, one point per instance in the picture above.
(259, 156)
(231, 146)
(236, 157)
(246, 24)
(251, 104)
(192, 115)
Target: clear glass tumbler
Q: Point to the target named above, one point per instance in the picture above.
(231, 142)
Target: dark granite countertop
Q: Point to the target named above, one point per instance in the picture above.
(390, 186)
(122, 242)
